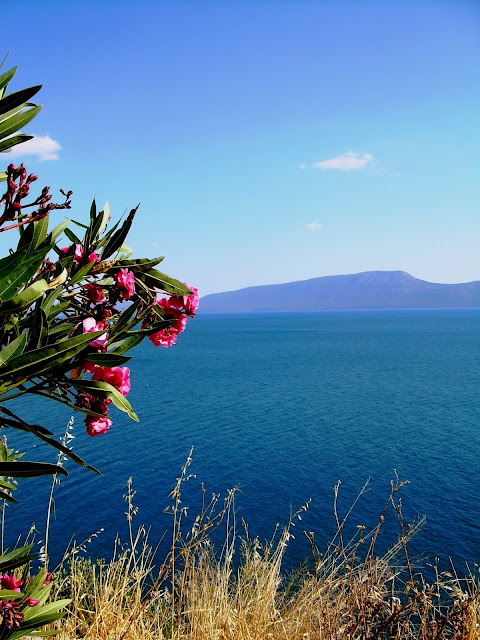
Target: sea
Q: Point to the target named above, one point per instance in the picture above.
(281, 406)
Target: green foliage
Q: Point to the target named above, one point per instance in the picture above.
(62, 318)
(25, 610)
(15, 112)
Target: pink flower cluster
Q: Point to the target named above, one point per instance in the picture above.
(178, 308)
(89, 325)
(125, 281)
(118, 377)
(9, 609)
(80, 253)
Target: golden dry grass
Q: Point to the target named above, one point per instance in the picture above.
(349, 593)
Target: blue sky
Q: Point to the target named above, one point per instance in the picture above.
(266, 141)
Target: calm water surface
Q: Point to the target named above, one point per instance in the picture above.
(283, 405)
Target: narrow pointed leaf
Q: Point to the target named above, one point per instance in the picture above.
(17, 98)
(6, 77)
(27, 469)
(117, 239)
(104, 389)
(25, 298)
(126, 344)
(109, 359)
(71, 236)
(139, 264)
(159, 280)
(15, 348)
(14, 140)
(60, 228)
(7, 127)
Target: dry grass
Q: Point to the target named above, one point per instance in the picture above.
(197, 594)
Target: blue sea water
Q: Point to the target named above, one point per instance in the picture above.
(283, 405)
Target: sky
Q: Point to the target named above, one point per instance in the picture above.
(267, 142)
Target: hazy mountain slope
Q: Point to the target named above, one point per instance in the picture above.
(368, 290)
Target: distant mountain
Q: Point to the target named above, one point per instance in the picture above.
(368, 290)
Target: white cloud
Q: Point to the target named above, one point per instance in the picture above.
(42, 146)
(345, 162)
(154, 244)
(313, 226)
(302, 166)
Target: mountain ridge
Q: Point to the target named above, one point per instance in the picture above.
(365, 290)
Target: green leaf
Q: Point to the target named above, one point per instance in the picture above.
(13, 100)
(105, 282)
(109, 359)
(57, 310)
(3, 451)
(6, 496)
(104, 389)
(139, 264)
(50, 299)
(159, 280)
(31, 615)
(47, 357)
(13, 141)
(13, 124)
(105, 217)
(126, 344)
(9, 594)
(26, 469)
(7, 485)
(24, 299)
(39, 432)
(17, 270)
(38, 328)
(16, 558)
(154, 327)
(6, 77)
(80, 274)
(116, 240)
(15, 348)
(71, 236)
(66, 451)
(59, 229)
(93, 210)
(40, 228)
(126, 319)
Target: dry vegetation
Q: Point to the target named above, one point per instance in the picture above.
(350, 592)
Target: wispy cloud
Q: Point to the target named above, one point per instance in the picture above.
(346, 162)
(44, 147)
(314, 226)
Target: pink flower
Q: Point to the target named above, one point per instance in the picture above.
(31, 602)
(118, 377)
(126, 283)
(168, 337)
(188, 303)
(89, 325)
(96, 426)
(79, 253)
(163, 339)
(95, 294)
(191, 302)
(9, 582)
